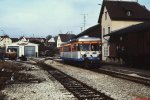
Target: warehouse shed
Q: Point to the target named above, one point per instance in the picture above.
(23, 48)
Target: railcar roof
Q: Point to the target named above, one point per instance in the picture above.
(83, 39)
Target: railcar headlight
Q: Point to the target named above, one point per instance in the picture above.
(94, 52)
(84, 56)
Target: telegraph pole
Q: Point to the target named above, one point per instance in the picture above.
(84, 20)
(81, 29)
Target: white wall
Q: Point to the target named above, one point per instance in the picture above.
(5, 41)
(122, 24)
(59, 42)
(104, 26)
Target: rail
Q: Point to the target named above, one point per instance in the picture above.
(80, 90)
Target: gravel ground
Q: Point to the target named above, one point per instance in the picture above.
(118, 89)
(47, 89)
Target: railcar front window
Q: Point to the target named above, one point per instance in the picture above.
(85, 47)
(95, 47)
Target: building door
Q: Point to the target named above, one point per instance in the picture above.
(29, 51)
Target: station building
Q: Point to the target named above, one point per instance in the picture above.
(116, 15)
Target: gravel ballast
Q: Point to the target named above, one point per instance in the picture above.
(116, 88)
(46, 89)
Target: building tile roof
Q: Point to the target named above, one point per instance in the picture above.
(5, 36)
(94, 31)
(51, 40)
(66, 37)
(36, 39)
(15, 39)
(117, 10)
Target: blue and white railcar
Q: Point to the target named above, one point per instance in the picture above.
(85, 50)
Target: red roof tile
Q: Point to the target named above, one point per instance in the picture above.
(66, 37)
(118, 10)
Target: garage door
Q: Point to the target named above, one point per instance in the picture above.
(29, 51)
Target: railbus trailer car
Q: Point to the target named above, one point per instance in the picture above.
(10, 54)
(85, 51)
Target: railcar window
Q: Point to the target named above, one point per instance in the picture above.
(61, 49)
(85, 47)
(78, 48)
(11, 50)
(67, 48)
(74, 47)
(95, 47)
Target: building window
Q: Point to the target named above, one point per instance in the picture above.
(121, 38)
(108, 30)
(105, 15)
(106, 51)
(103, 31)
(128, 13)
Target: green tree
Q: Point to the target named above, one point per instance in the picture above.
(48, 37)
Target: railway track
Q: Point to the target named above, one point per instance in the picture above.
(141, 80)
(80, 90)
(125, 75)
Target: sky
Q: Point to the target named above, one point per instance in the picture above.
(40, 18)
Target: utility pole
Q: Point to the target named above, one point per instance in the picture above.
(81, 29)
(84, 20)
